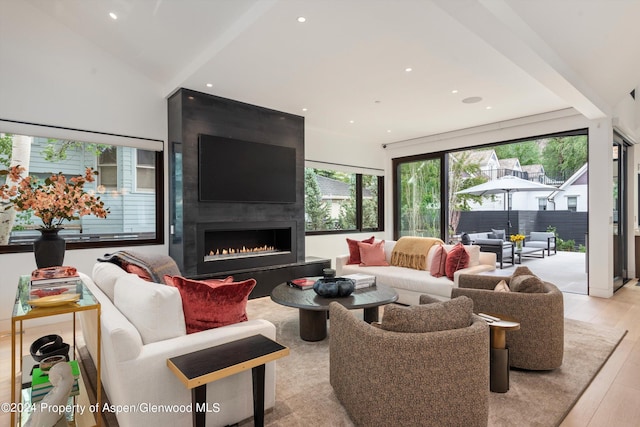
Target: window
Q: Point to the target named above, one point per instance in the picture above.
(338, 201)
(572, 203)
(108, 168)
(542, 204)
(419, 197)
(145, 170)
(134, 218)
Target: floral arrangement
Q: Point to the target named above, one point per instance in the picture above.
(55, 200)
(516, 237)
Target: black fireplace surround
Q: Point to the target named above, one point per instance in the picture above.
(234, 246)
(203, 227)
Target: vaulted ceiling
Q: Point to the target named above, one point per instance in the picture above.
(377, 70)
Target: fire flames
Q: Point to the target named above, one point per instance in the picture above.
(243, 250)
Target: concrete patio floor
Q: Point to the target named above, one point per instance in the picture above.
(566, 270)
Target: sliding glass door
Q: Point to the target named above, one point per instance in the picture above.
(619, 229)
(419, 205)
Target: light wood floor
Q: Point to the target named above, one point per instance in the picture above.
(612, 399)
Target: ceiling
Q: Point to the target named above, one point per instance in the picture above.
(347, 63)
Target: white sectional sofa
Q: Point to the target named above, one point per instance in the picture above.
(410, 283)
(142, 325)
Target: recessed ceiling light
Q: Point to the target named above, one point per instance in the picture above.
(488, 107)
(472, 100)
(209, 85)
(304, 109)
(302, 19)
(454, 91)
(388, 130)
(113, 16)
(408, 69)
(351, 121)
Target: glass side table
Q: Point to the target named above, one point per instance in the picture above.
(23, 311)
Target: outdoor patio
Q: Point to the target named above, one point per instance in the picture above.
(566, 270)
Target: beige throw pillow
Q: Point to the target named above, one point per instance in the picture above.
(502, 287)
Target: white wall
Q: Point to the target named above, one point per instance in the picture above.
(337, 149)
(64, 81)
(600, 208)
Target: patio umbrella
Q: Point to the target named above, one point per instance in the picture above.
(506, 185)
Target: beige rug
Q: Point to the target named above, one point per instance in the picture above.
(304, 396)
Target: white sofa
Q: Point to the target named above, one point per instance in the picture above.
(411, 283)
(142, 325)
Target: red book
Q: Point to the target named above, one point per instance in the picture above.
(52, 275)
(303, 282)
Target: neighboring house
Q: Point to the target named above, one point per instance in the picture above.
(534, 173)
(511, 165)
(574, 196)
(335, 193)
(125, 183)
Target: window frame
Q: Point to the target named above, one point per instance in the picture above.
(56, 132)
(359, 204)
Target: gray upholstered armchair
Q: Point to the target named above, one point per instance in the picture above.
(539, 343)
(390, 378)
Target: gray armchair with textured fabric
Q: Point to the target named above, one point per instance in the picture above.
(539, 343)
(388, 378)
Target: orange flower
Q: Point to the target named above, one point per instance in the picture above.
(55, 200)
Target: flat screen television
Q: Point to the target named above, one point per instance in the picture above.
(232, 170)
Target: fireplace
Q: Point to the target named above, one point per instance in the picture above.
(233, 246)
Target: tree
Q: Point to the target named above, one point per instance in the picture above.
(420, 198)
(370, 201)
(528, 152)
(462, 174)
(20, 154)
(562, 156)
(317, 213)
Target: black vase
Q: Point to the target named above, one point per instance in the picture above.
(49, 248)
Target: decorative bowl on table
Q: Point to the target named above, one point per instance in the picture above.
(334, 287)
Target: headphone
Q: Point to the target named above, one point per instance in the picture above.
(49, 345)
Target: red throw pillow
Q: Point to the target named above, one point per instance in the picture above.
(372, 254)
(209, 305)
(354, 251)
(439, 262)
(457, 259)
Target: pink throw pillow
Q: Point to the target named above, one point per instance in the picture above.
(439, 261)
(169, 280)
(354, 251)
(209, 305)
(139, 271)
(372, 254)
(457, 259)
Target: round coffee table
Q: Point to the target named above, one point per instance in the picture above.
(313, 308)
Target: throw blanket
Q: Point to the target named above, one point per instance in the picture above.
(412, 252)
(156, 266)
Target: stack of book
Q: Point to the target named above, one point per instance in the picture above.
(54, 281)
(303, 282)
(40, 384)
(361, 280)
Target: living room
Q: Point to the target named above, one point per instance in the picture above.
(56, 77)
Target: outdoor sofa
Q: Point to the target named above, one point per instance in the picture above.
(491, 242)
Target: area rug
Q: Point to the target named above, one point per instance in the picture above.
(304, 396)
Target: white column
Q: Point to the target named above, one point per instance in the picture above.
(600, 209)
